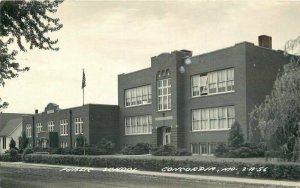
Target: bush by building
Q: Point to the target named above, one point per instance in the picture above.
(183, 152)
(138, 149)
(245, 150)
(164, 150)
(27, 151)
(12, 144)
(107, 146)
(14, 156)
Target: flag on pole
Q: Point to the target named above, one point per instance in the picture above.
(83, 80)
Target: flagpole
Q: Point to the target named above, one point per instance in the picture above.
(82, 96)
(83, 86)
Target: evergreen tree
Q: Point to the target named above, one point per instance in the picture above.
(23, 141)
(12, 144)
(236, 136)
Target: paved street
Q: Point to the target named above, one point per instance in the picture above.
(27, 176)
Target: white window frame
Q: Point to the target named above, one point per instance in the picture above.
(209, 147)
(209, 119)
(28, 131)
(138, 96)
(137, 125)
(78, 125)
(64, 127)
(164, 97)
(38, 128)
(44, 143)
(50, 126)
(211, 83)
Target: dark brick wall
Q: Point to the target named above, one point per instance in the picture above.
(263, 66)
(103, 123)
(131, 80)
(99, 121)
(233, 57)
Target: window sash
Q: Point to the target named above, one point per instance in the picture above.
(138, 96)
(218, 118)
(212, 82)
(164, 94)
(138, 125)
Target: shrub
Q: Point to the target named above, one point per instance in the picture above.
(23, 140)
(4, 157)
(165, 150)
(26, 151)
(236, 137)
(138, 149)
(183, 152)
(13, 153)
(12, 144)
(245, 150)
(39, 149)
(221, 150)
(80, 140)
(290, 171)
(106, 146)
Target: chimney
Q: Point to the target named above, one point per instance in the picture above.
(265, 41)
(36, 111)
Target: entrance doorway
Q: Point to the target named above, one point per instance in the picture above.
(166, 134)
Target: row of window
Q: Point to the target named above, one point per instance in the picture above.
(138, 125)
(138, 96)
(63, 127)
(219, 118)
(212, 82)
(202, 84)
(203, 148)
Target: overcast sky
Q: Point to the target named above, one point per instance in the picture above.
(110, 38)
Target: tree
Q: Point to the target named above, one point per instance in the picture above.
(23, 141)
(80, 141)
(236, 137)
(12, 144)
(278, 116)
(28, 23)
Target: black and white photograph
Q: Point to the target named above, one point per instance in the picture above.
(149, 93)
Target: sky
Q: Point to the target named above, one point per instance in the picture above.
(108, 38)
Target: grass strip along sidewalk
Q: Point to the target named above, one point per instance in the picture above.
(259, 170)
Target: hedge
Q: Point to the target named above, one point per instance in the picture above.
(287, 171)
(7, 157)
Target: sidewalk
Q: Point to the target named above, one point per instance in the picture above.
(258, 182)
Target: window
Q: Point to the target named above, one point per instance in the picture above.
(38, 128)
(28, 131)
(4, 142)
(50, 126)
(138, 96)
(194, 148)
(138, 125)
(164, 94)
(78, 125)
(64, 144)
(219, 118)
(64, 127)
(203, 148)
(212, 82)
(44, 143)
